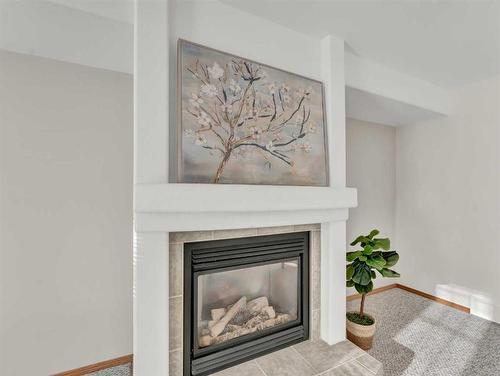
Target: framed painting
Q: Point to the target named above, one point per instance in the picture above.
(243, 122)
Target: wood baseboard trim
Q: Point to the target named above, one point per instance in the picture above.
(97, 366)
(435, 298)
(374, 291)
(416, 292)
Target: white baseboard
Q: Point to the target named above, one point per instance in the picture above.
(481, 304)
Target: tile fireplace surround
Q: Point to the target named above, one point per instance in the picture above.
(176, 266)
(313, 357)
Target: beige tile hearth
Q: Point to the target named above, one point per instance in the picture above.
(245, 369)
(349, 369)
(310, 359)
(370, 362)
(285, 362)
(324, 357)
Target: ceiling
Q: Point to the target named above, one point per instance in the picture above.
(448, 43)
(374, 108)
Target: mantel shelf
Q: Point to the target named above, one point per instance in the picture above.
(217, 198)
(191, 207)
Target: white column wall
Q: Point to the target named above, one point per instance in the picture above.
(333, 234)
(151, 304)
(151, 153)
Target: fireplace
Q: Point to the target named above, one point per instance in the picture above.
(243, 298)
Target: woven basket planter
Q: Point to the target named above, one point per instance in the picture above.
(361, 335)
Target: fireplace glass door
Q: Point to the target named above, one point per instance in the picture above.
(240, 301)
(243, 298)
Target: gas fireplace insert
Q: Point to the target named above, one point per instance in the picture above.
(243, 298)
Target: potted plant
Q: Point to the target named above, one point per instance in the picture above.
(374, 255)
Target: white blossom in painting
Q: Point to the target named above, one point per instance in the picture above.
(244, 116)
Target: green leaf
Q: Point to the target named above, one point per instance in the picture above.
(349, 284)
(364, 289)
(367, 250)
(384, 243)
(388, 273)
(373, 233)
(351, 256)
(360, 239)
(362, 275)
(362, 258)
(391, 258)
(377, 262)
(349, 271)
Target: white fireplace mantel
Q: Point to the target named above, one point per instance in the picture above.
(190, 207)
(164, 208)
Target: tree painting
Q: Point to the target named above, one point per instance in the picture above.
(243, 122)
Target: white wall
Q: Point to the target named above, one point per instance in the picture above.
(371, 169)
(65, 215)
(448, 201)
(433, 188)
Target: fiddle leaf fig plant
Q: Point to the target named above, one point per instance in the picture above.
(364, 264)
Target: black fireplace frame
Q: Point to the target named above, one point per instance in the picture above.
(229, 254)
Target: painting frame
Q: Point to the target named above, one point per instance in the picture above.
(179, 117)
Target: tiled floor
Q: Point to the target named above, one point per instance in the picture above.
(311, 359)
(305, 359)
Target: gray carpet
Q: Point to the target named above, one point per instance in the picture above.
(123, 370)
(416, 336)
